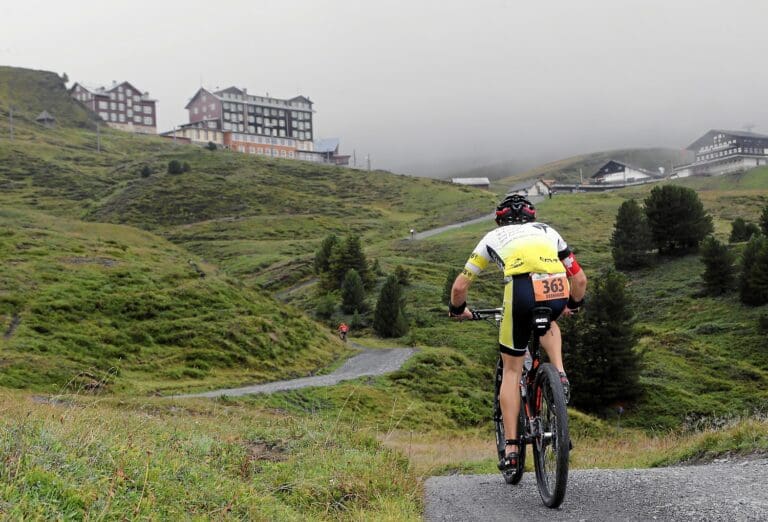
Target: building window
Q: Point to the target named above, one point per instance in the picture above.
(103, 105)
(104, 116)
(121, 117)
(147, 120)
(147, 109)
(113, 117)
(212, 106)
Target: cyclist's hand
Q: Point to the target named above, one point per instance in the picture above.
(466, 315)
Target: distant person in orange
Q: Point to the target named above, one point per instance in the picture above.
(343, 329)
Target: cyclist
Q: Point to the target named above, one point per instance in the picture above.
(343, 329)
(539, 268)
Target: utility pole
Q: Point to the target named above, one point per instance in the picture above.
(368, 160)
(98, 138)
(354, 158)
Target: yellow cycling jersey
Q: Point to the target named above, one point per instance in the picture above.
(519, 249)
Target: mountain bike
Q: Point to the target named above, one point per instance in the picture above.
(543, 418)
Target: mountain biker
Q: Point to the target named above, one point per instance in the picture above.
(531, 254)
(343, 329)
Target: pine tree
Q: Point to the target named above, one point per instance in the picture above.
(764, 221)
(352, 293)
(677, 219)
(631, 239)
(344, 256)
(718, 273)
(753, 279)
(601, 360)
(323, 254)
(389, 318)
(738, 231)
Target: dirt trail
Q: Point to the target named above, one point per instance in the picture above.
(370, 362)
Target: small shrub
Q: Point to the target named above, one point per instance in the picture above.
(186, 167)
(325, 306)
(175, 167)
(211, 146)
(718, 276)
(403, 275)
(146, 171)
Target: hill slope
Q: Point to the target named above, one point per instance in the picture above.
(573, 169)
(84, 302)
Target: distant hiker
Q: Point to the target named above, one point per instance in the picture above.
(550, 194)
(343, 329)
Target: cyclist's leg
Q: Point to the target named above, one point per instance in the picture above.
(513, 338)
(552, 342)
(509, 396)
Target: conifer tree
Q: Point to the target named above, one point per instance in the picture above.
(764, 221)
(352, 293)
(677, 219)
(323, 254)
(600, 358)
(631, 239)
(346, 255)
(718, 273)
(389, 318)
(753, 279)
(738, 231)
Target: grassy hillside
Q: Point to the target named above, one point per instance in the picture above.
(80, 459)
(568, 170)
(31, 92)
(85, 302)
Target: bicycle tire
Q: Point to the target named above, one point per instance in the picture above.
(551, 446)
(510, 476)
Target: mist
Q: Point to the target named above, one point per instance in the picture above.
(429, 87)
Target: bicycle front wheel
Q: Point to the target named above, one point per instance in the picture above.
(551, 440)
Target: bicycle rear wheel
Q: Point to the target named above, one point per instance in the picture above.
(510, 476)
(551, 444)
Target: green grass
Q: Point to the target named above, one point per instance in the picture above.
(80, 459)
(89, 300)
(120, 308)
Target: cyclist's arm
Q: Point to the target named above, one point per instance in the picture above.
(477, 262)
(459, 295)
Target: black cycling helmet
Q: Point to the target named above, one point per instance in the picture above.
(515, 209)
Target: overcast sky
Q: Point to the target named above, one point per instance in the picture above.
(422, 84)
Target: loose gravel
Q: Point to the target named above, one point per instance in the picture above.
(724, 490)
(368, 363)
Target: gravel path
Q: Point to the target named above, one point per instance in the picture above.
(729, 490)
(369, 362)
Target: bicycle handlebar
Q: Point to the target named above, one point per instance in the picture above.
(484, 313)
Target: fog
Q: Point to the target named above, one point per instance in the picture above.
(428, 87)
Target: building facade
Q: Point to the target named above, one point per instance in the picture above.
(121, 106)
(615, 172)
(256, 124)
(722, 152)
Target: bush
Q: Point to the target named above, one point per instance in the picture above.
(718, 273)
(211, 146)
(631, 239)
(175, 167)
(403, 275)
(326, 306)
(146, 171)
(677, 219)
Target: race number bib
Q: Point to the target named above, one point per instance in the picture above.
(547, 287)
